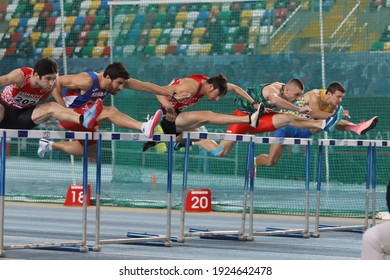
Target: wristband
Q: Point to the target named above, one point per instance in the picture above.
(254, 102)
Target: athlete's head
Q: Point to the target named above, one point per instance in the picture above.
(217, 87)
(116, 75)
(336, 93)
(46, 73)
(293, 90)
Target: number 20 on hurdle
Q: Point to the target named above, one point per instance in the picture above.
(198, 200)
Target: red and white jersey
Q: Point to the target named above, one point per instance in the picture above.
(184, 103)
(25, 96)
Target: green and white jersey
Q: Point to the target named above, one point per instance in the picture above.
(256, 92)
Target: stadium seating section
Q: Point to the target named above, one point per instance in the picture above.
(154, 29)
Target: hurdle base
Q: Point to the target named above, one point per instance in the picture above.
(150, 243)
(272, 231)
(216, 236)
(67, 248)
(357, 229)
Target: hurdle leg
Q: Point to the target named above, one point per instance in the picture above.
(318, 193)
(97, 247)
(373, 184)
(368, 182)
(168, 241)
(183, 191)
(306, 233)
(2, 193)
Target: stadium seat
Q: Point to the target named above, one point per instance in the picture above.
(239, 48)
(150, 50)
(47, 52)
(181, 49)
(165, 36)
(56, 53)
(205, 49)
(161, 50)
(377, 46)
(197, 34)
(86, 51)
(69, 51)
(43, 40)
(128, 50)
(386, 46)
(181, 16)
(2, 52)
(35, 37)
(175, 35)
(106, 51)
(11, 8)
(50, 24)
(37, 53)
(171, 49)
(97, 51)
(228, 48)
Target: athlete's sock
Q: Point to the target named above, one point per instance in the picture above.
(216, 151)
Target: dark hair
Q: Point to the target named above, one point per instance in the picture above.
(297, 82)
(219, 82)
(335, 86)
(46, 66)
(116, 70)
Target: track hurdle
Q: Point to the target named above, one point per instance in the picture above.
(37, 134)
(370, 183)
(278, 231)
(136, 237)
(224, 234)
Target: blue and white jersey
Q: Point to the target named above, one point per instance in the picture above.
(74, 99)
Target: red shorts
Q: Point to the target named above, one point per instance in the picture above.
(79, 127)
(265, 125)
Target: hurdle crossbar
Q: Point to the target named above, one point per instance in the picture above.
(304, 232)
(371, 146)
(240, 233)
(152, 238)
(37, 134)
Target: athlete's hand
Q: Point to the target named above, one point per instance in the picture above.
(171, 114)
(305, 109)
(346, 114)
(181, 95)
(268, 110)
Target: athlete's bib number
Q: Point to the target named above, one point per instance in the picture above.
(25, 101)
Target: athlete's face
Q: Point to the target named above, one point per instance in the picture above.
(292, 92)
(48, 82)
(114, 86)
(336, 98)
(212, 93)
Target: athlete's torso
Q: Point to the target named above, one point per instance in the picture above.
(256, 92)
(180, 105)
(25, 96)
(73, 98)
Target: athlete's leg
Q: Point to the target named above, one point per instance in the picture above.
(274, 154)
(45, 111)
(188, 121)
(74, 148)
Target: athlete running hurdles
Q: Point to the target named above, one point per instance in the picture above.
(25, 87)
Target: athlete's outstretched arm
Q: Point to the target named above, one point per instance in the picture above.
(138, 85)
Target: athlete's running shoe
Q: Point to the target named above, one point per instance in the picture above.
(44, 147)
(147, 145)
(363, 127)
(333, 120)
(254, 117)
(91, 115)
(148, 127)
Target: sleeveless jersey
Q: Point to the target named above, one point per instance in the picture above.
(301, 103)
(180, 105)
(25, 96)
(256, 93)
(73, 98)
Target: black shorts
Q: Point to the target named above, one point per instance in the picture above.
(17, 118)
(167, 126)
